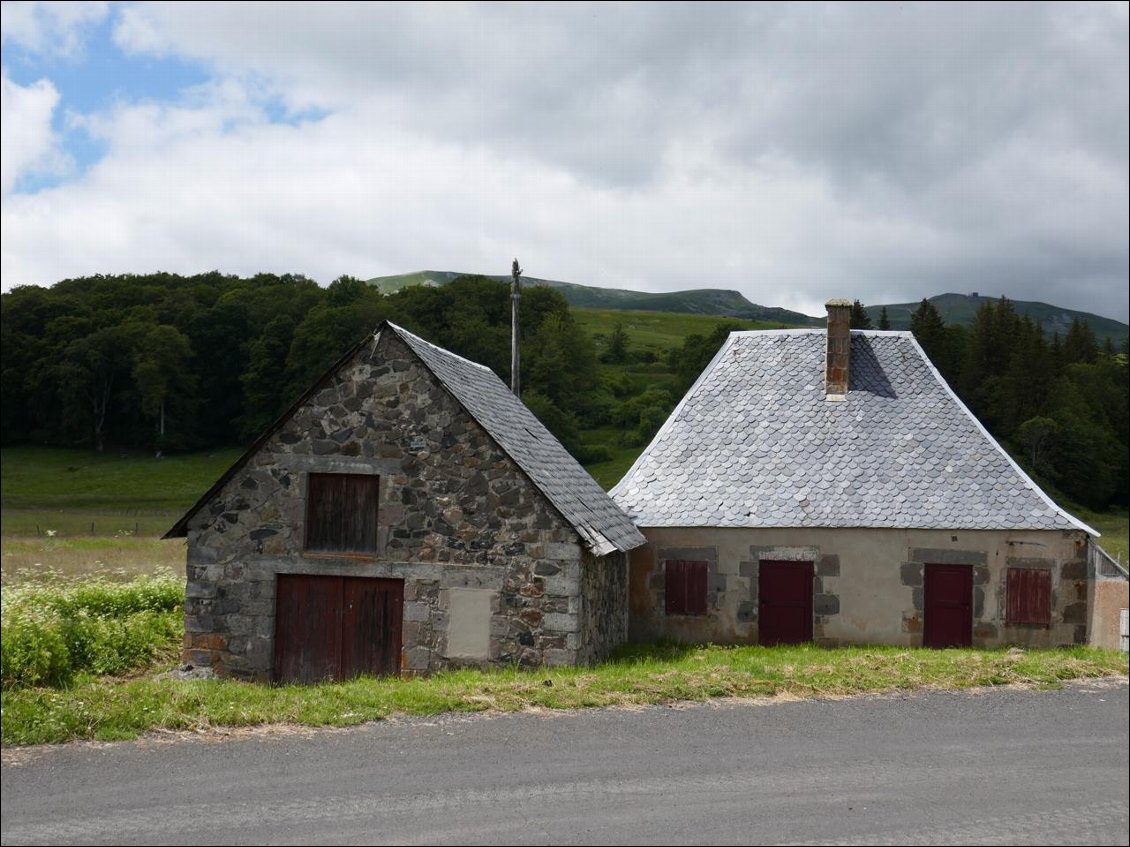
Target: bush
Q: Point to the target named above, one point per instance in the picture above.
(50, 633)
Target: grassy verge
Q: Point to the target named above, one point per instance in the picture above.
(119, 709)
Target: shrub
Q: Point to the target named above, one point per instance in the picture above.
(52, 632)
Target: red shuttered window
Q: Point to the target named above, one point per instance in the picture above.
(341, 513)
(1029, 593)
(685, 587)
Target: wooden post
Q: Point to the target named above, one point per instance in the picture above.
(515, 330)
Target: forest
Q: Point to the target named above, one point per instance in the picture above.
(171, 363)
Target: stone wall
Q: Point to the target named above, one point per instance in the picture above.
(604, 606)
(491, 571)
(867, 582)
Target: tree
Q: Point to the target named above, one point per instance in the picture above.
(617, 351)
(884, 321)
(265, 389)
(163, 377)
(691, 359)
(928, 328)
(859, 316)
(1080, 344)
(1037, 437)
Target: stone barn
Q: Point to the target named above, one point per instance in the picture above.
(407, 513)
(831, 487)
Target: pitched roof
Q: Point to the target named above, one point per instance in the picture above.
(549, 466)
(568, 486)
(755, 444)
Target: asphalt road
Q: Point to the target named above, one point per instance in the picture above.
(978, 767)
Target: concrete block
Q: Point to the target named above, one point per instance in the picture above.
(560, 622)
(562, 551)
(563, 585)
(560, 658)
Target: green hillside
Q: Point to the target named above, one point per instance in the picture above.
(705, 301)
(962, 309)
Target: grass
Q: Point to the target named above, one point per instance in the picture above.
(109, 709)
(114, 558)
(609, 472)
(50, 478)
(656, 332)
(77, 512)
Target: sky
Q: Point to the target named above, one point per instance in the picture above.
(792, 152)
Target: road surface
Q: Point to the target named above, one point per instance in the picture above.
(989, 766)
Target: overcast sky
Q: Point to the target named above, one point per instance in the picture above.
(792, 152)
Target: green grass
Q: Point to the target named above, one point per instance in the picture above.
(608, 473)
(44, 479)
(108, 709)
(656, 332)
(52, 492)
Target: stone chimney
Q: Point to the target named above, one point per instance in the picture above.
(838, 361)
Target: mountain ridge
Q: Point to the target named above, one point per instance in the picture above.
(953, 307)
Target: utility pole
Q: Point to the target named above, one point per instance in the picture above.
(515, 331)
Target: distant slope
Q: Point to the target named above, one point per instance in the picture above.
(962, 309)
(706, 301)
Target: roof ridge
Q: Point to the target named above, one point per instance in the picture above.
(402, 332)
(1028, 481)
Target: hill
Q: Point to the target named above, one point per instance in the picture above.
(705, 301)
(962, 309)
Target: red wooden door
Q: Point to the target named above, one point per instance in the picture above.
(784, 591)
(370, 626)
(307, 628)
(333, 627)
(948, 606)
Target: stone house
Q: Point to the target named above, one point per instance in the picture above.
(407, 513)
(832, 487)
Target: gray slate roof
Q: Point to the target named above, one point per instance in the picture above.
(568, 486)
(755, 444)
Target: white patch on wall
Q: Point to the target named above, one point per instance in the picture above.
(468, 623)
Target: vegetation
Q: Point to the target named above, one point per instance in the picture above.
(165, 363)
(116, 709)
(51, 632)
(961, 310)
(697, 301)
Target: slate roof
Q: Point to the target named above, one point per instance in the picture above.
(755, 444)
(568, 486)
(573, 492)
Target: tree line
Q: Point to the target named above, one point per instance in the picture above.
(168, 363)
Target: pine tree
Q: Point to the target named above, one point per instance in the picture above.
(859, 317)
(884, 321)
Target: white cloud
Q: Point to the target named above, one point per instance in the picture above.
(52, 28)
(28, 145)
(793, 152)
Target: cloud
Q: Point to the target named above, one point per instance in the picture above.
(793, 152)
(49, 28)
(28, 145)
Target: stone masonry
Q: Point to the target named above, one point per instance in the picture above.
(457, 518)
